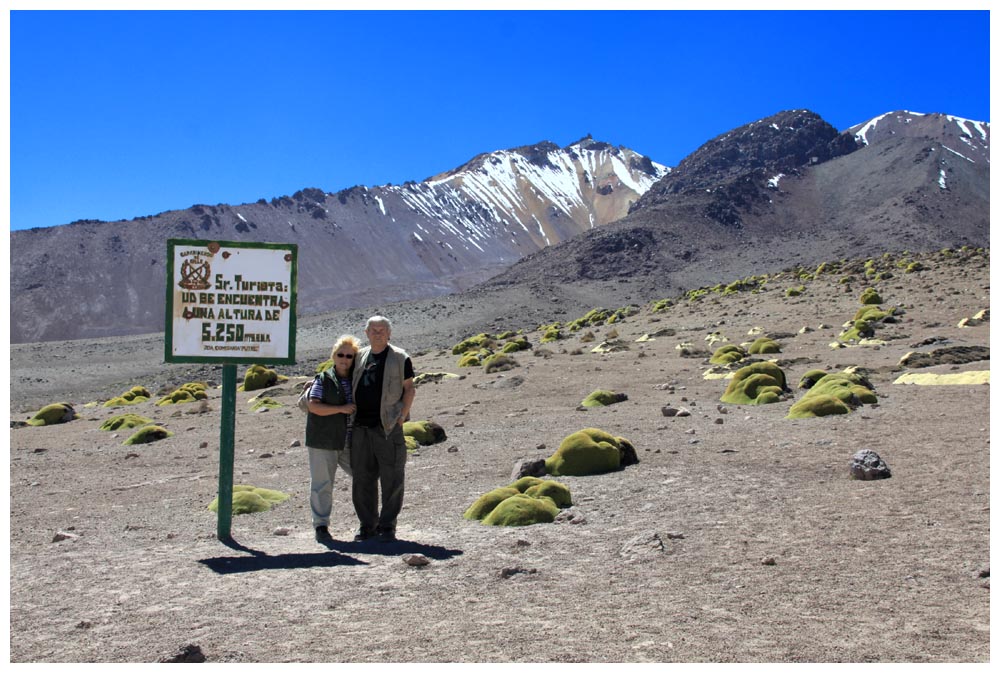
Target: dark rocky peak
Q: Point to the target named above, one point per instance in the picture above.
(735, 165)
(588, 143)
(968, 138)
(780, 143)
(538, 154)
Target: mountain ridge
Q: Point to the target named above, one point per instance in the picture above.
(92, 278)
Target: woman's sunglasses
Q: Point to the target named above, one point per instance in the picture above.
(349, 356)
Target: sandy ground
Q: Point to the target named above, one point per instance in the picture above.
(739, 536)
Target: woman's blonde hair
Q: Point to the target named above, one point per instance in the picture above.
(348, 340)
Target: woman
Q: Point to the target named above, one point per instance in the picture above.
(328, 430)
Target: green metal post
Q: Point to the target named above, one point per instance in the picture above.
(227, 434)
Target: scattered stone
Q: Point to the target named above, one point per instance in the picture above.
(294, 443)
(645, 545)
(528, 467)
(540, 447)
(952, 355)
(85, 624)
(131, 455)
(568, 516)
(281, 531)
(203, 445)
(187, 654)
(689, 431)
(522, 543)
(266, 455)
(728, 451)
(768, 561)
(60, 536)
(460, 424)
(452, 449)
(718, 421)
(984, 573)
(675, 536)
(723, 409)
(415, 560)
(39, 450)
(866, 465)
(510, 572)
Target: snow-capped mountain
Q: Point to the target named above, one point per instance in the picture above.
(785, 190)
(358, 247)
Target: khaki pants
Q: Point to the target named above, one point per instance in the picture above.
(377, 460)
(322, 468)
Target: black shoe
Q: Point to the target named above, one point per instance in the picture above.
(385, 535)
(363, 534)
(323, 534)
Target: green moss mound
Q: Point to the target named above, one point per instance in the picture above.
(727, 355)
(524, 483)
(871, 296)
(551, 334)
(147, 434)
(557, 492)
(250, 499)
(411, 444)
(519, 344)
(189, 392)
(660, 305)
(603, 398)
(487, 502)
(499, 362)
(425, 432)
(473, 343)
(589, 451)
(126, 421)
(264, 403)
(759, 383)
(52, 414)
(795, 291)
(764, 345)
(258, 377)
(848, 390)
(811, 377)
(522, 510)
(134, 395)
(469, 360)
(817, 405)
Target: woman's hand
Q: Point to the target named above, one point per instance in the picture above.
(347, 409)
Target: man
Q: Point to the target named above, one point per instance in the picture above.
(383, 393)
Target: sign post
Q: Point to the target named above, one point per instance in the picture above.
(230, 303)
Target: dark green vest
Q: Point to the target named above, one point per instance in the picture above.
(328, 432)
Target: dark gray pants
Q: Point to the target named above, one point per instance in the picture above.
(377, 460)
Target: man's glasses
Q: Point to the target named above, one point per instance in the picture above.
(349, 356)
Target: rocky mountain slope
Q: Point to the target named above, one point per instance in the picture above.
(781, 191)
(358, 247)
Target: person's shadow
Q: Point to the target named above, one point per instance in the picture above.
(258, 560)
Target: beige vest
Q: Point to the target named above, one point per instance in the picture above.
(392, 383)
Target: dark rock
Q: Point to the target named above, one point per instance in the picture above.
(529, 468)
(187, 654)
(866, 465)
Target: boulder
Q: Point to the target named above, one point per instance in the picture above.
(867, 465)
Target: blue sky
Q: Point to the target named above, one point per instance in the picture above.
(115, 115)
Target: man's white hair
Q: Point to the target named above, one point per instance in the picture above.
(378, 320)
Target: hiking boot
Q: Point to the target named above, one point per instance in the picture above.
(323, 534)
(385, 535)
(363, 534)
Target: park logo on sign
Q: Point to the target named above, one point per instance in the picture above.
(195, 270)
